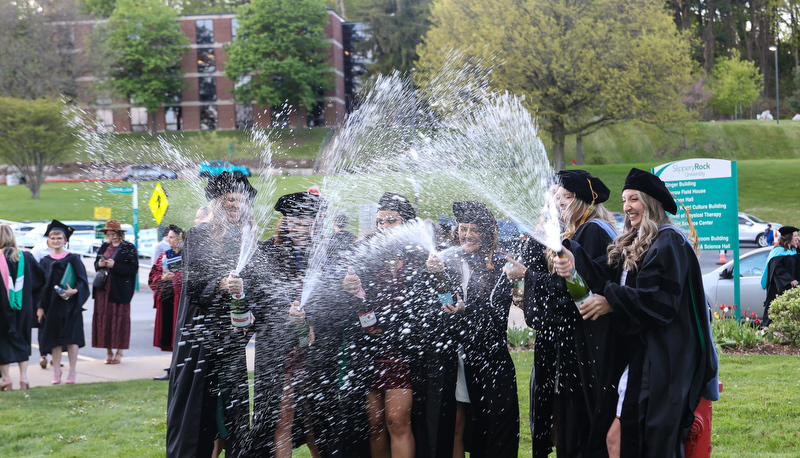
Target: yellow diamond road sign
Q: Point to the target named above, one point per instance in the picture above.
(159, 203)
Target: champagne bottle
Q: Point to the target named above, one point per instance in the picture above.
(240, 309)
(576, 285)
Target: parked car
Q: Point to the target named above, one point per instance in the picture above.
(620, 221)
(718, 283)
(20, 229)
(214, 168)
(752, 229)
(147, 172)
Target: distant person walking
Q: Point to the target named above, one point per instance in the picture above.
(22, 282)
(770, 235)
(111, 322)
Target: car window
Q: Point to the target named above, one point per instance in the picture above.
(742, 220)
(756, 219)
(753, 266)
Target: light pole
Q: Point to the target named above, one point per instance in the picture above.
(777, 99)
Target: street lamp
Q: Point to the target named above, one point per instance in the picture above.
(777, 99)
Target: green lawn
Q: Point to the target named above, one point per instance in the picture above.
(757, 416)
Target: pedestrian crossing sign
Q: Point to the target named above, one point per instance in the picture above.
(159, 203)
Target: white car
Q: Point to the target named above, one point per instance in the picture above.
(718, 283)
(753, 229)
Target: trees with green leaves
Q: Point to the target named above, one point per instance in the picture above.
(278, 54)
(736, 83)
(35, 134)
(396, 27)
(578, 64)
(35, 51)
(137, 53)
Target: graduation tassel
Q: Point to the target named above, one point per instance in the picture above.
(692, 231)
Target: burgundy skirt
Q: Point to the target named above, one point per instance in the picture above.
(111, 323)
(391, 373)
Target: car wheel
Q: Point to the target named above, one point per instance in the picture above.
(761, 240)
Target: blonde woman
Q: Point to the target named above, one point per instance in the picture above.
(22, 282)
(574, 367)
(651, 286)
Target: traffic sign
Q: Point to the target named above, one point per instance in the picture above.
(102, 213)
(159, 203)
(120, 189)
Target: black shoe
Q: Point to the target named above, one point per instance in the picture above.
(163, 377)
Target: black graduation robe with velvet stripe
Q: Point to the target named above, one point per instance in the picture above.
(662, 315)
(15, 325)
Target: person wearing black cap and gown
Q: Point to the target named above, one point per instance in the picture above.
(781, 271)
(208, 394)
(651, 285)
(578, 354)
(61, 315)
(390, 284)
(481, 299)
(282, 406)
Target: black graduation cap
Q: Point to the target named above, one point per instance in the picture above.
(226, 183)
(651, 185)
(400, 204)
(57, 225)
(581, 183)
(788, 230)
(299, 205)
(475, 213)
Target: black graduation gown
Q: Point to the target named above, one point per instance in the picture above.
(278, 270)
(63, 323)
(482, 330)
(15, 325)
(208, 358)
(579, 354)
(662, 315)
(782, 271)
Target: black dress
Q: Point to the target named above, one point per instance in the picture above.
(482, 330)
(15, 325)
(63, 323)
(578, 354)
(662, 316)
(208, 395)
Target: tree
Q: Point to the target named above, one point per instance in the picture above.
(35, 134)
(735, 83)
(33, 63)
(97, 8)
(579, 64)
(278, 54)
(137, 54)
(396, 28)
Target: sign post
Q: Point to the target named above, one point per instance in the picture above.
(709, 189)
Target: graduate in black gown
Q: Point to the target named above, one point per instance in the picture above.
(652, 288)
(781, 271)
(20, 291)
(478, 320)
(61, 315)
(208, 395)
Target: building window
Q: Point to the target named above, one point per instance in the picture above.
(105, 119)
(205, 31)
(316, 116)
(138, 119)
(234, 27)
(207, 88)
(206, 63)
(173, 119)
(244, 115)
(208, 117)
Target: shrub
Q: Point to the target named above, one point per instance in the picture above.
(785, 315)
(521, 337)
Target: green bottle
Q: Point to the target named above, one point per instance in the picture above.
(576, 285)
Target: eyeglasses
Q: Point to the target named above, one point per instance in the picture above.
(390, 220)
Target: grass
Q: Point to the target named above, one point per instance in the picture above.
(757, 415)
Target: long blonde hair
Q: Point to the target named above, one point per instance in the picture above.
(632, 246)
(578, 212)
(8, 243)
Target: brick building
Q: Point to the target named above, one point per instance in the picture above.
(207, 102)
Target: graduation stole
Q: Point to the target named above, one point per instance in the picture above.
(13, 287)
